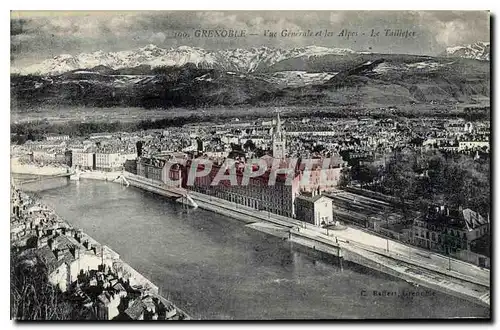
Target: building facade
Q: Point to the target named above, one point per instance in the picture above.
(316, 210)
(317, 177)
(473, 145)
(277, 198)
(108, 161)
(448, 231)
(160, 169)
(57, 137)
(82, 159)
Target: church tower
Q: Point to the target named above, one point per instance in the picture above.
(279, 141)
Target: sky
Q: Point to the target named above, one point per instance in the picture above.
(39, 35)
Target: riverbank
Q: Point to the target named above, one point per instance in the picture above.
(134, 277)
(336, 244)
(97, 175)
(341, 243)
(475, 289)
(216, 268)
(17, 168)
(91, 258)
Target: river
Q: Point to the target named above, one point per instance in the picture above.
(215, 267)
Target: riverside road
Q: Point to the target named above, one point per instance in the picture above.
(215, 267)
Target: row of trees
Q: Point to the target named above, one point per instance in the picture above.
(427, 178)
(37, 130)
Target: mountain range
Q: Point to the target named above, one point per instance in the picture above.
(478, 51)
(244, 60)
(153, 77)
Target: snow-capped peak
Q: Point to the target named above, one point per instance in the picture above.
(243, 60)
(63, 57)
(149, 47)
(478, 50)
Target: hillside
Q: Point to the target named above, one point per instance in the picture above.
(327, 79)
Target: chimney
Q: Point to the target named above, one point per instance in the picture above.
(75, 252)
(58, 254)
(52, 244)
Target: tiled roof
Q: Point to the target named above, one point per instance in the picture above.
(136, 310)
(118, 287)
(310, 199)
(473, 219)
(49, 259)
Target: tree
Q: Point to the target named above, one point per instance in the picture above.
(345, 178)
(364, 174)
(318, 148)
(34, 298)
(235, 147)
(249, 145)
(437, 178)
(400, 178)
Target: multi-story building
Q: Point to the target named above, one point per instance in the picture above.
(57, 137)
(473, 145)
(314, 209)
(258, 193)
(82, 159)
(160, 169)
(124, 157)
(318, 177)
(108, 161)
(104, 135)
(150, 168)
(448, 231)
(65, 259)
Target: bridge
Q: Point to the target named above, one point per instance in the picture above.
(40, 178)
(179, 194)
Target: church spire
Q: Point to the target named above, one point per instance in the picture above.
(279, 143)
(278, 124)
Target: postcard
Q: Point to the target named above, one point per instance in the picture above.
(250, 165)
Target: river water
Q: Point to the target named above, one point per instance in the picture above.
(215, 267)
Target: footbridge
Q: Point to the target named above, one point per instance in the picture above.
(40, 178)
(158, 187)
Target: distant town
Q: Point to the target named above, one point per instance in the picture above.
(250, 165)
(393, 178)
